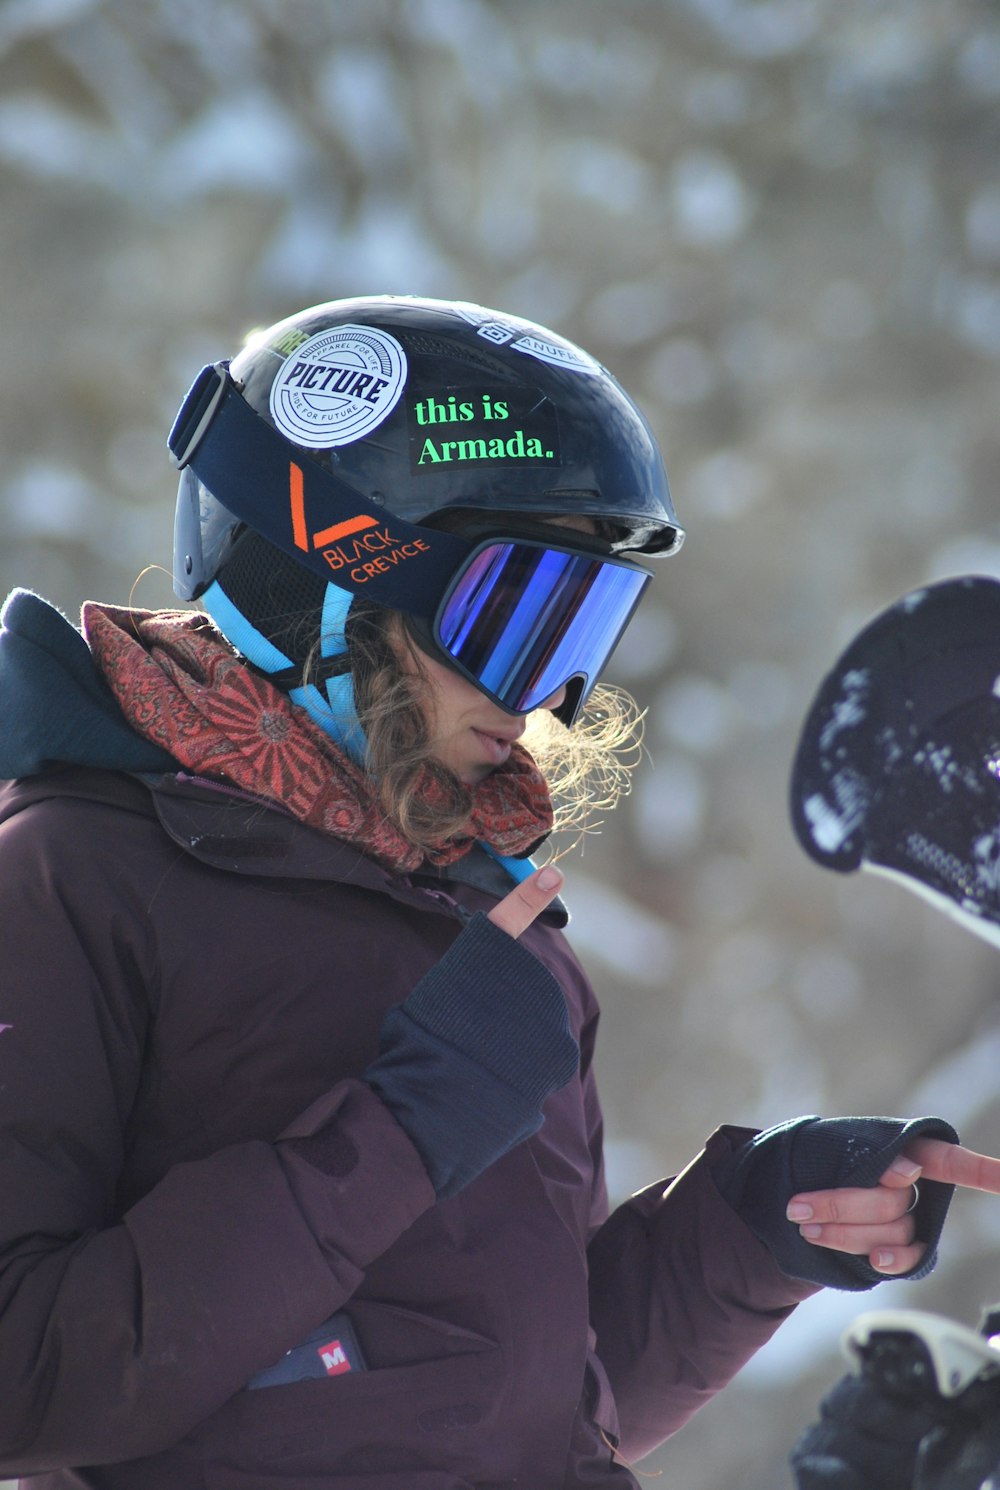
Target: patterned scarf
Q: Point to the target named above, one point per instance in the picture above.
(180, 685)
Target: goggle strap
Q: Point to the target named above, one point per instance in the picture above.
(324, 523)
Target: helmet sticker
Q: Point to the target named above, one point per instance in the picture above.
(338, 386)
(289, 340)
(497, 333)
(474, 314)
(573, 358)
(504, 333)
(470, 426)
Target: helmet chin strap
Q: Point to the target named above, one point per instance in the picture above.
(333, 707)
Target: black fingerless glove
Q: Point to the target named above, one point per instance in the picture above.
(811, 1153)
(467, 1060)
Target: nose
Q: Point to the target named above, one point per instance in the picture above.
(554, 700)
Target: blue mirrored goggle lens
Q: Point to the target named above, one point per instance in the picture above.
(523, 620)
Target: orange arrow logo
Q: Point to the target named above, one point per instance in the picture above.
(300, 531)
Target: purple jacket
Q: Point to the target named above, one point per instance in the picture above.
(187, 979)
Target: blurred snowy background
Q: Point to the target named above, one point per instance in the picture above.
(778, 221)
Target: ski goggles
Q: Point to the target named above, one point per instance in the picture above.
(522, 619)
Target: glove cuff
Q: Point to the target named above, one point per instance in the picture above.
(811, 1153)
(495, 1003)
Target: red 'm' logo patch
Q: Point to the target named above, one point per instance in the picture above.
(334, 1358)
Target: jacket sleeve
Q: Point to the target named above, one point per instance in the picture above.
(119, 1333)
(681, 1295)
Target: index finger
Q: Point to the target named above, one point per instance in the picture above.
(517, 910)
(955, 1165)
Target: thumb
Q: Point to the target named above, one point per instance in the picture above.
(517, 910)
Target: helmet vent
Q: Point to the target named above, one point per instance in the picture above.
(423, 345)
(279, 597)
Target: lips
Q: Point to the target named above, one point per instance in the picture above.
(506, 737)
(497, 744)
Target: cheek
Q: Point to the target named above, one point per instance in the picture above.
(451, 699)
(433, 685)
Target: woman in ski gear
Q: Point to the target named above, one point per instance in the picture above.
(300, 1146)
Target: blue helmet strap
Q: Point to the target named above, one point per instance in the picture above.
(332, 706)
(518, 869)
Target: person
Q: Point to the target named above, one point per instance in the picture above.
(300, 1143)
(895, 773)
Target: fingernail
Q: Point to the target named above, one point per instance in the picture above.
(798, 1210)
(811, 1233)
(884, 1260)
(549, 878)
(905, 1167)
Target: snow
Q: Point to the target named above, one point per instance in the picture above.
(712, 204)
(241, 142)
(614, 930)
(48, 141)
(831, 827)
(20, 19)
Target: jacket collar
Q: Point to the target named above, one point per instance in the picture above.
(229, 830)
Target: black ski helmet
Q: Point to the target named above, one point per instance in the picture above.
(397, 409)
(424, 405)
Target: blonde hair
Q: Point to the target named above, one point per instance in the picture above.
(588, 768)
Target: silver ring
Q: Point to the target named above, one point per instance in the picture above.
(913, 1203)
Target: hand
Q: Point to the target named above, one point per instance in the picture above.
(878, 1222)
(467, 1061)
(517, 910)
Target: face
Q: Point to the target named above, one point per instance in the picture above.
(470, 734)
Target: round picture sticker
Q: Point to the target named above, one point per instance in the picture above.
(338, 386)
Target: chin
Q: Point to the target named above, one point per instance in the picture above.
(469, 773)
